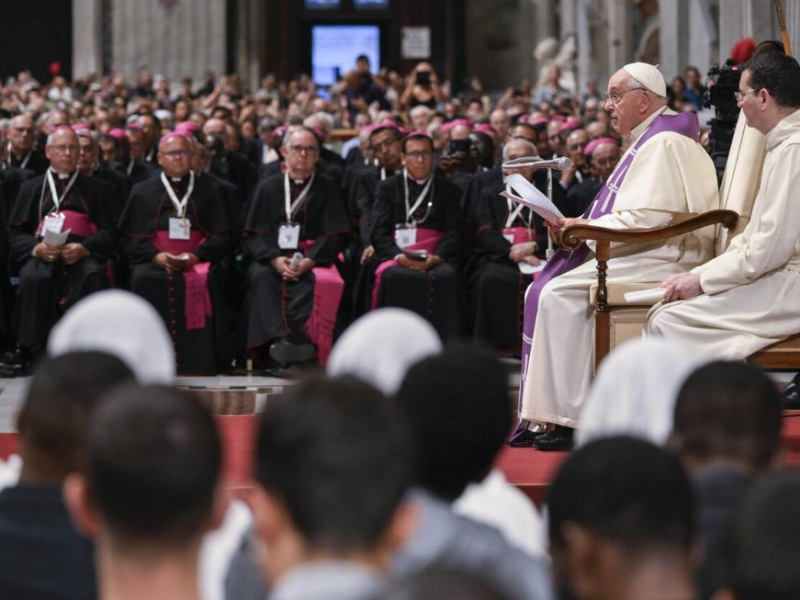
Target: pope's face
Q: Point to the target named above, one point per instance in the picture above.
(625, 112)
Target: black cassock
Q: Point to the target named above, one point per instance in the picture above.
(437, 295)
(46, 290)
(276, 308)
(199, 349)
(498, 290)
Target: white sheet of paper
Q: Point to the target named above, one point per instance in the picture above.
(405, 237)
(179, 229)
(645, 296)
(533, 198)
(55, 239)
(288, 237)
(528, 269)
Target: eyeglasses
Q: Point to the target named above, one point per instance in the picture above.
(420, 154)
(176, 153)
(303, 149)
(740, 95)
(62, 149)
(615, 97)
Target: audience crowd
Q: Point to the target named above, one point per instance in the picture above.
(240, 232)
(261, 223)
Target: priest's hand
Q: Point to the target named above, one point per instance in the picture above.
(305, 266)
(418, 265)
(367, 253)
(681, 286)
(182, 262)
(162, 260)
(520, 252)
(46, 253)
(283, 265)
(72, 253)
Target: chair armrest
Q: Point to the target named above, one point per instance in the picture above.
(570, 238)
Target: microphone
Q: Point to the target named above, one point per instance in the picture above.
(560, 163)
(296, 258)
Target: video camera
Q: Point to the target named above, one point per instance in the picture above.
(721, 84)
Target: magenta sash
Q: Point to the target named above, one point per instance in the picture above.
(76, 222)
(328, 290)
(521, 234)
(563, 261)
(427, 239)
(197, 304)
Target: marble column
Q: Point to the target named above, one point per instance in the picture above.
(248, 41)
(620, 48)
(703, 36)
(87, 37)
(674, 38)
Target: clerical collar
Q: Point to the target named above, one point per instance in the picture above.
(62, 175)
(419, 181)
(642, 127)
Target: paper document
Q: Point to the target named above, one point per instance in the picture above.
(55, 240)
(645, 296)
(532, 198)
(528, 269)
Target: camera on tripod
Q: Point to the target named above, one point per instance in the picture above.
(721, 84)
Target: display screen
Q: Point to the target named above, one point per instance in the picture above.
(313, 4)
(334, 49)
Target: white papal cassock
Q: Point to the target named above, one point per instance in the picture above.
(670, 175)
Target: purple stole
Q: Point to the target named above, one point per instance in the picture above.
(564, 260)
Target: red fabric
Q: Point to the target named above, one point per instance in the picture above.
(77, 223)
(197, 305)
(328, 290)
(521, 234)
(427, 239)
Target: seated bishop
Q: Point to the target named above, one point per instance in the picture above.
(61, 237)
(293, 230)
(176, 230)
(416, 239)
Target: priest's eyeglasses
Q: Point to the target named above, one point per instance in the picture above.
(303, 149)
(177, 153)
(419, 154)
(615, 97)
(740, 95)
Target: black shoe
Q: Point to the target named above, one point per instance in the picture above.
(525, 438)
(14, 363)
(559, 439)
(790, 396)
(285, 352)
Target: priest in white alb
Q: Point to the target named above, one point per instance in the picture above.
(664, 174)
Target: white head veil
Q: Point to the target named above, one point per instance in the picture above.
(635, 391)
(122, 324)
(381, 346)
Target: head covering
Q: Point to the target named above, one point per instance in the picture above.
(181, 134)
(122, 324)
(81, 126)
(635, 391)
(134, 125)
(387, 124)
(486, 128)
(649, 76)
(539, 122)
(381, 346)
(569, 125)
(743, 50)
(591, 146)
(117, 133)
(187, 126)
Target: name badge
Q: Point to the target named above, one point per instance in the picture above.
(179, 229)
(54, 223)
(289, 237)
(405, 237)
(509, 237)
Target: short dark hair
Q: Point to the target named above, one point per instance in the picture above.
(154, 464)
(435, 582)
(460, 413)
(338, 455)
(628, 492)
(759, 553)
(63, 395)
(778, 74)
(218, 108)
(727, 410)
(414, 137)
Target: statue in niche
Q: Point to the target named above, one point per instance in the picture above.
(548, 53)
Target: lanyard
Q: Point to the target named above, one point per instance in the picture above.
(56, 200)
(25, 160)
(130, 167)
(291, 207)
(180, 205)
(420, 198)
(513, 214)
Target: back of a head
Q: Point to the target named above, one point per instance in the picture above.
(55, 417)
(627, 492)
(460, 414)
(380, 347)
(439, 582)
(337, 454)
(153, 466)
(760, 552)
(634, 392)
(727, 411)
